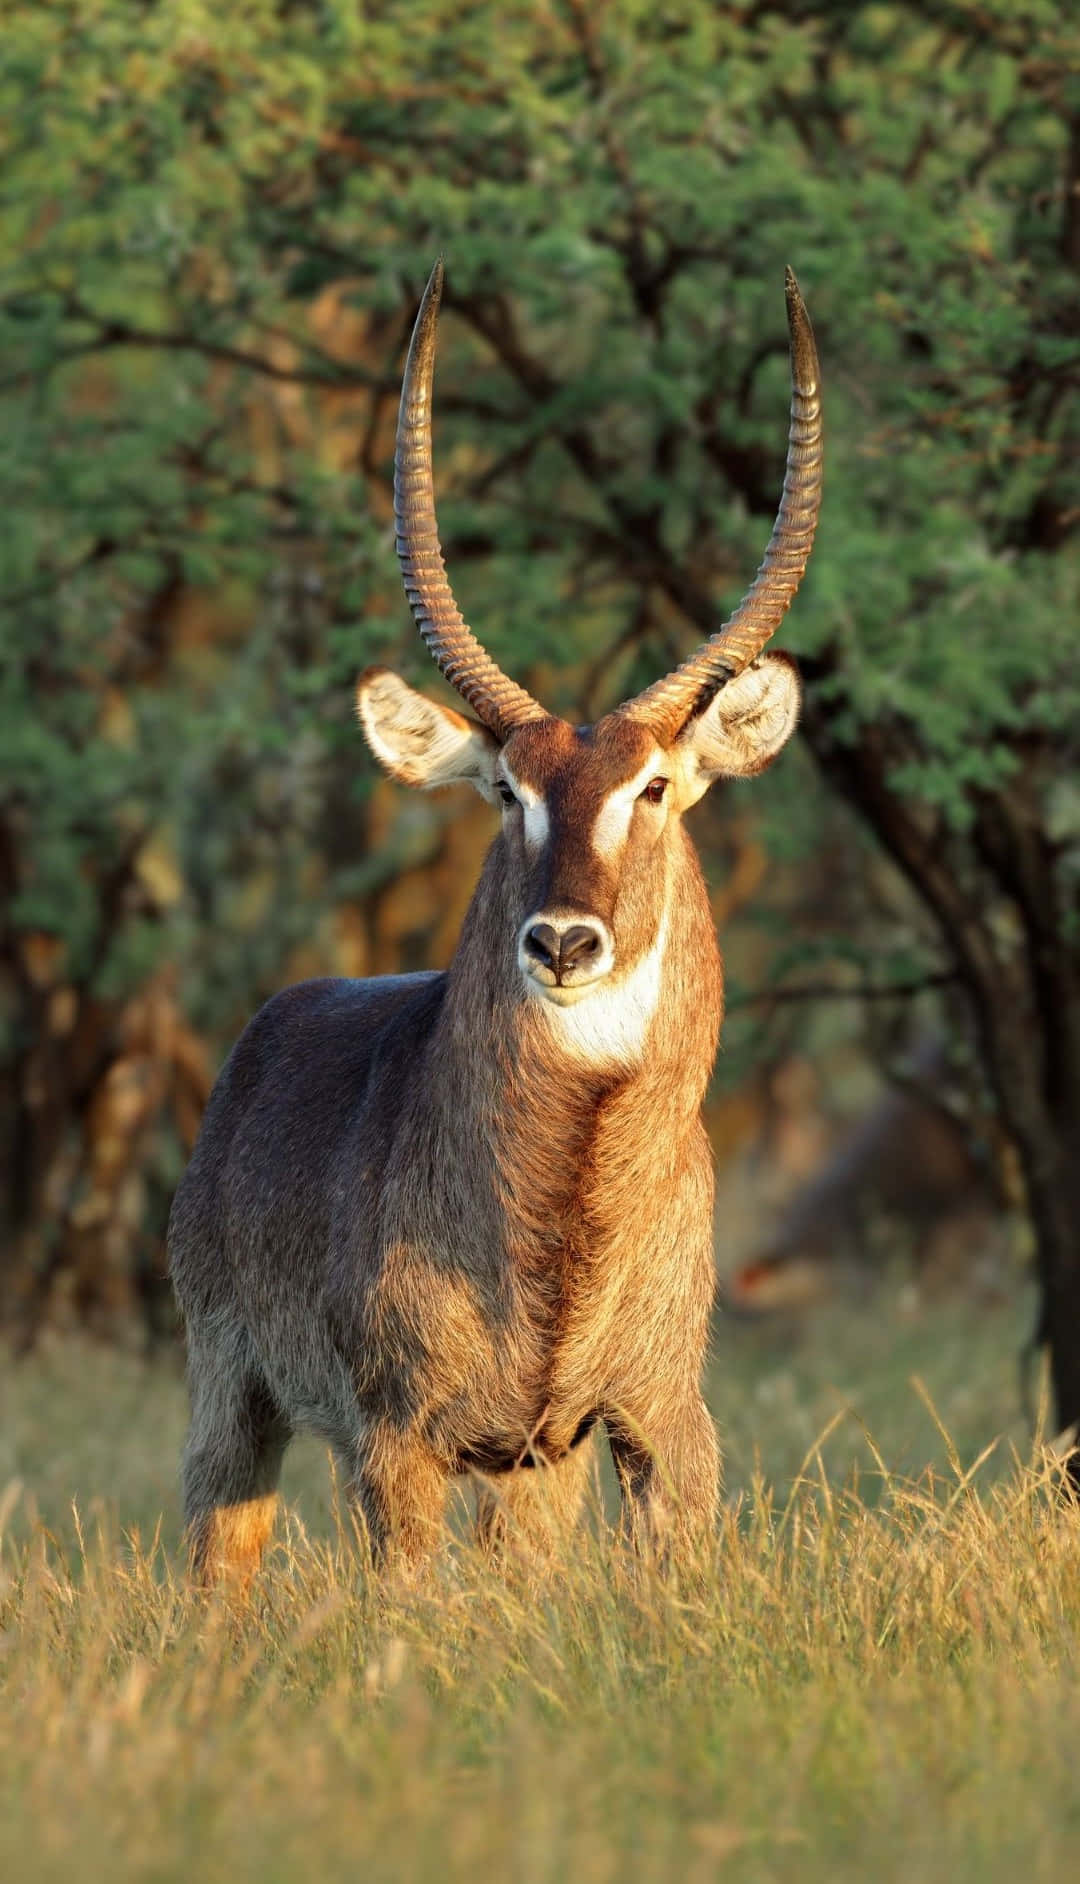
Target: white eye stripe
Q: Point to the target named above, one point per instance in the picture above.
(613, 819)
(524, 793)
(537, 823)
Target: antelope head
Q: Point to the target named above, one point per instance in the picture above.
(591, 813)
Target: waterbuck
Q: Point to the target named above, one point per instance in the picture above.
(452, 1222)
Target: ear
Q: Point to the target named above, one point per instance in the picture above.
(420, 742)
(743, 727)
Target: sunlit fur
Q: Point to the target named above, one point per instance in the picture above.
(613, 820)
(448, 1223)
(610, 1024)
(537, 824)
(419, 742)
(227, 1541)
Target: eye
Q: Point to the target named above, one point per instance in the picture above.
(504, 792)
(655, 790)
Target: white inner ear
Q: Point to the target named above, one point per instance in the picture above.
(421, 742)
(743, 728)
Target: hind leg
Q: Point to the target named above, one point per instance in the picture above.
(669, 1482)
(232, 1461)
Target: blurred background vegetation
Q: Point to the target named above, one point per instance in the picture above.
(216, 222)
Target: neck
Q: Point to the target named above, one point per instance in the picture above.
(558, 1103)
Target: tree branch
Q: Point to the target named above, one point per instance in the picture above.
(113, 336)
(827, 991)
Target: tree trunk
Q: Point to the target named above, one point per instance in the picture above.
(1022, 979)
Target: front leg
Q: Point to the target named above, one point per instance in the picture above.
(397, 1492)
(669, 1480)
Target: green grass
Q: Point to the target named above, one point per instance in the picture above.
(877, 1679)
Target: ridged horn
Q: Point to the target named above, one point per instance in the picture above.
(495, 699)
(667, 705)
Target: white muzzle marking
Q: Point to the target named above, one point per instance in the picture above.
(606, 1021)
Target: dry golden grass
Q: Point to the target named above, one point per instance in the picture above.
(877, 1679)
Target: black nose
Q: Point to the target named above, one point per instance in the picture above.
(579, 944)
(542, 941)
(576, 946)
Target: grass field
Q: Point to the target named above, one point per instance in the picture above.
(879, 1680)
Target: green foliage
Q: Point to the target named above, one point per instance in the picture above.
(616, 191)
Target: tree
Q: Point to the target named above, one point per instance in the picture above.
(218, 226)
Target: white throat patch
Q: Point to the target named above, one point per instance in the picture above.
(609, 1024)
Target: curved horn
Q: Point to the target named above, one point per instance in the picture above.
(669, 703)
(496, 700)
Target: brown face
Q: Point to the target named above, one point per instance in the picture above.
(589, 819)
(584, 810)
